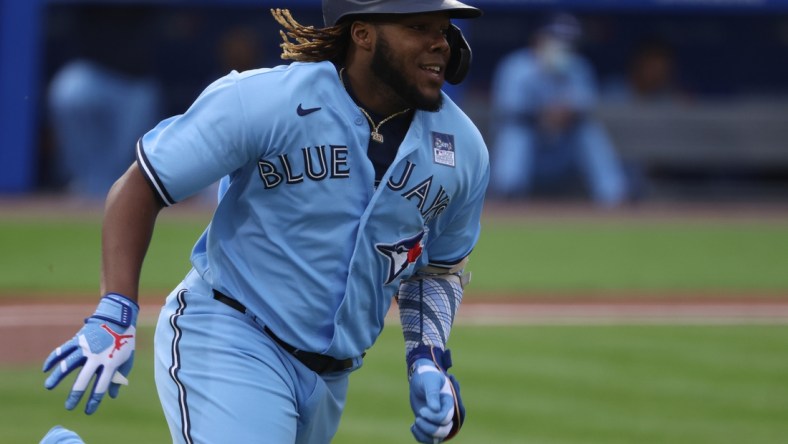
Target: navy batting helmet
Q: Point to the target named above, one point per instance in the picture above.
(335, 10)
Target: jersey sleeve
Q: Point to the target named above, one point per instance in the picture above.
(186, 153)
(458, 238)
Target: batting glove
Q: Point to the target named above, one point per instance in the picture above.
(104, 347)
(434, 396)
(60, 435)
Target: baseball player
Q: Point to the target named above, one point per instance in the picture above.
(349, 180)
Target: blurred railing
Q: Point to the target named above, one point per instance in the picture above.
(732, 149)
(750, 133)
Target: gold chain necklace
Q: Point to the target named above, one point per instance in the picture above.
(375, 134)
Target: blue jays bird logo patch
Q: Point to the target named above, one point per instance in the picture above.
(443, 148)
(401, 254)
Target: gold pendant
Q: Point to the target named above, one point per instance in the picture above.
(377, 137)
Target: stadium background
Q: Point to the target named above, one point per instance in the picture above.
(661, 321)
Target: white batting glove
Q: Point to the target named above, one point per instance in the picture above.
(104, 348)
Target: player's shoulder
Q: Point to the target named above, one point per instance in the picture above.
(297, 74)
(452, 120)
(278, 86)
(285, 83)
(459, 121)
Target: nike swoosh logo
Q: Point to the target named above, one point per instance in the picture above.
(306, 111)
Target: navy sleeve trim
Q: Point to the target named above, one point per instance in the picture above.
(152, 177)
(447, 264)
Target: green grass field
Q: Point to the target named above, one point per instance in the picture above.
(549, 384)
(521, 257)
(521, 384)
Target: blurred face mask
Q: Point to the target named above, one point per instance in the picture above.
(555, 54)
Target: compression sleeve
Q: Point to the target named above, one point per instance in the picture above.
(427, 307)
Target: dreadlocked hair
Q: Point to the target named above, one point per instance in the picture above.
(310, 44)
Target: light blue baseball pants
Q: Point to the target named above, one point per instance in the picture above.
(221, 379)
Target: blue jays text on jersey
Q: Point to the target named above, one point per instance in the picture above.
(286, 171)
(301, 236)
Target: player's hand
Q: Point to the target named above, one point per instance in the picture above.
(432, 402)
(104, 348)
(434, 395)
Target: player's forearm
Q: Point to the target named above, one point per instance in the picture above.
(129, 217)
(427, 308)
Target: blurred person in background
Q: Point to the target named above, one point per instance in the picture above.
(651, 76)
(543, 97)
(103, 98)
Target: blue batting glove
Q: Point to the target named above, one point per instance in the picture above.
(432, 402)
(434, 395)
(104, 348)
(60, 435)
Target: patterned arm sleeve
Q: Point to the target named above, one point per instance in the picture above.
(428, 304)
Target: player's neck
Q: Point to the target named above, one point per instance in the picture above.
(372, 95)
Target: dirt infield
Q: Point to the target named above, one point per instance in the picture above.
(29, 331)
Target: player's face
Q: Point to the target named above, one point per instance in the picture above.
(410, 57)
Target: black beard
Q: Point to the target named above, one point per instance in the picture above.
(393, 78)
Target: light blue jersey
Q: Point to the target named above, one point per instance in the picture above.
(301, 236)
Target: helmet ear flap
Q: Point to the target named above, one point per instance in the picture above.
(460, 56)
